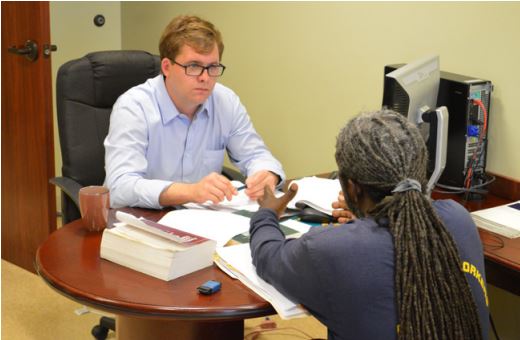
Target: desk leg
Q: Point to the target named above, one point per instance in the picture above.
(133, 328)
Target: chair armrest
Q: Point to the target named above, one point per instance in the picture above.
(233, 175)
(69, 186)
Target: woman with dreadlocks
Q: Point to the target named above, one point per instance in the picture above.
(404, 268)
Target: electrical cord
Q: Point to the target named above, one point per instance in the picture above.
(493, 327)
(478, 149)
(460, 190)
(468, 187)
(268, 325)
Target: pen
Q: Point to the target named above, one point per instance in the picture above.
(241, 187)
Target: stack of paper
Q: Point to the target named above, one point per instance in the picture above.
(503, 220)
(237, 260)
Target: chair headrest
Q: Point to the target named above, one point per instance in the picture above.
(99, 78)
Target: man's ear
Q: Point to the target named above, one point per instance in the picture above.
(166, 66)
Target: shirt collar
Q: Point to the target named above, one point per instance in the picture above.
(167, 108)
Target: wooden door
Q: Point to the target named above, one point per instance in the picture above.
(28, 200)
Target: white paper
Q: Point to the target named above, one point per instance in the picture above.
(239, 257)
(318, 193)
(216, 225)
(300, 227)
(238, 202)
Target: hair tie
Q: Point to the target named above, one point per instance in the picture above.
(407, 184)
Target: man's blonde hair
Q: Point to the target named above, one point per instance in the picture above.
(199, 34)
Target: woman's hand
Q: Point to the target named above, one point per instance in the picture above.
(341, 211)
(270, 201)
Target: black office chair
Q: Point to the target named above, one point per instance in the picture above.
(86, 90)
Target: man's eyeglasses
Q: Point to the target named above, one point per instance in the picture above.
(197, 70)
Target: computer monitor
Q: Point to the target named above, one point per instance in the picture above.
(412, 91)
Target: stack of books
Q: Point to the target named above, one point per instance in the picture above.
(503, 220)
(155, 249)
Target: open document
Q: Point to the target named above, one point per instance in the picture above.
(237, 259)
(315, 192)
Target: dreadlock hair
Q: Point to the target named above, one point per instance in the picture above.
(377, 150)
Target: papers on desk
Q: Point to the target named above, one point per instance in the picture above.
(180, 243)
(503, 220)
(237, 259)
(317, 193)
(239, 202)
(216, 225)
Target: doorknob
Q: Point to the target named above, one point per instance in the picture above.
(48, 48)
(30, 50)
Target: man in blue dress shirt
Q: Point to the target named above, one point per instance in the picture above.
(168, 136)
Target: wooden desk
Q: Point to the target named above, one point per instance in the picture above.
(149, 308)
(502, 255)
(146, 308)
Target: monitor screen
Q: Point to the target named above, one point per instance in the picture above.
(412, 89)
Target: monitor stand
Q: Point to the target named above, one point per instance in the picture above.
(438, 120)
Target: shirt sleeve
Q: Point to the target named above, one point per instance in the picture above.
(125, 158)
(287, 264)
(246, 149)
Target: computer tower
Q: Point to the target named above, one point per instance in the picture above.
(466, 123)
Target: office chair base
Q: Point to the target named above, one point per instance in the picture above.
(100, 332)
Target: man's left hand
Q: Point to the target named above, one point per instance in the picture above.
(258, 181)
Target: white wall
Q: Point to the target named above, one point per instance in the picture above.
(74, 32)
(303, 69)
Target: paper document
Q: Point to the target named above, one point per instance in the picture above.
(318, 193)
(238, 259)
(503, 220)
(215, 225)
(238, 202)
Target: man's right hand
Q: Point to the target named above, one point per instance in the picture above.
(214, 187)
